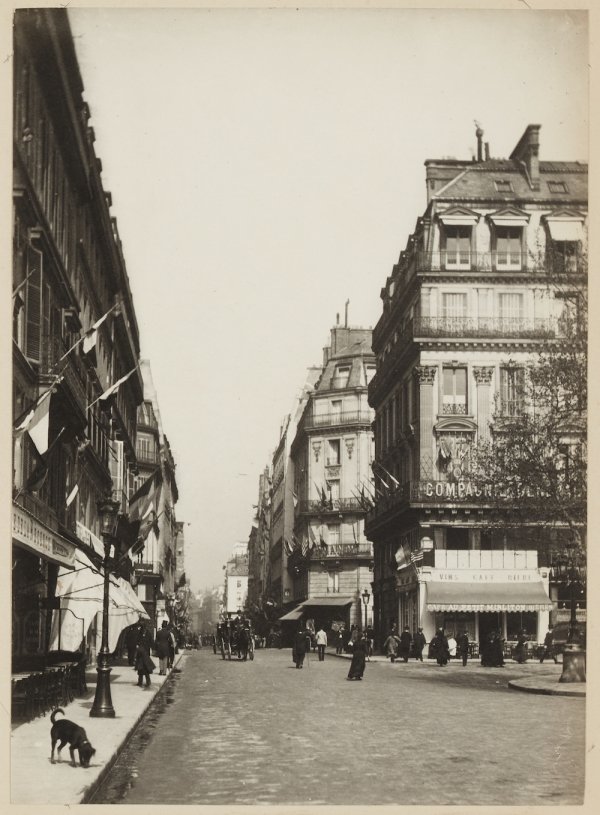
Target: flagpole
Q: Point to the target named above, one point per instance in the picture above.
(109, 391)
(22, 283)
(97, 324)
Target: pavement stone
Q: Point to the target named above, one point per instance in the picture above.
(262, 732)
(34, 780)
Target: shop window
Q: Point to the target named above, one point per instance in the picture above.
(454, 400)
(517, 621)
(457, 538)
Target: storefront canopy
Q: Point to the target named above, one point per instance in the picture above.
(81, 592)
(316, 602)
(487, 597)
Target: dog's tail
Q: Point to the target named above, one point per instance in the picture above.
(54, 712)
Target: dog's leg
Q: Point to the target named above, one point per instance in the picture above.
(72, 751)
(52, 752)
(60, 746)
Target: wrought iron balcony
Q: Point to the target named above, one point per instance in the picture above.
(149, 570)
(521, 327)
(70, 368)
(339, 418)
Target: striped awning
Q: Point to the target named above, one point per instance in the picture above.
(487, 597)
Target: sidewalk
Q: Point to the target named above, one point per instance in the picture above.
(34, 780)
(545, 683)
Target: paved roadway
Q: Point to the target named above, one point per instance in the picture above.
(263, 732)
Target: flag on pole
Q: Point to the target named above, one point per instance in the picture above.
(394, 481)
(321, 538)
(147, 497)
(71, 495)
(114, 388)
(401, 557)
(90, 336)
(354, 532)
(312, 536)
(37, 422)
(39, 474)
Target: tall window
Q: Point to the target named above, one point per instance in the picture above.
(333, 452)
(333, 487)
(510, 310)
(458, 247)
(334, 533)
(454, 399)
(341, 376)
(369, 373)
(512, 384)
(454, 309)
(333, 582)
(508, 247)
(336, 410)
(565, 256)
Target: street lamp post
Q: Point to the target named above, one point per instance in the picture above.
(365, 597)
(103, 707)
(569, 570)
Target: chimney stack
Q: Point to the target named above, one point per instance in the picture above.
(527, 154)
(479, 134)
(487, 151)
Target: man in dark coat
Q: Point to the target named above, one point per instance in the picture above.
(163, 642)
(462, 646)
(359, 657)
(405, 641)
(419, 642)
(301, 646)
(144, 664)
(440, 647)
(131, 638)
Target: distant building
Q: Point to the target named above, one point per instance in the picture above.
(236, 583)
(329, 559)
(466, 308)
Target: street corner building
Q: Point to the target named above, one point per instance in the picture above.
(86, 428)
(468, 306)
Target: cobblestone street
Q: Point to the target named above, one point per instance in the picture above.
(263, 732)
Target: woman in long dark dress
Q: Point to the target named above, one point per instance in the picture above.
(359, 657)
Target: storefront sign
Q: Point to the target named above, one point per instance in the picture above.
(454, 490)
(28, 531)
(485, 576)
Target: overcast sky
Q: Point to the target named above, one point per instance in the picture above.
(266, 166)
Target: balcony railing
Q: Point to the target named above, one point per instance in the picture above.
(336, 505)
(153, 568)
(145, 456)
(433, 492)
(446, 261)
(70, 368)
(339, 418)
(537, 328)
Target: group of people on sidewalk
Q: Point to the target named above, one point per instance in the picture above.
(139, 649)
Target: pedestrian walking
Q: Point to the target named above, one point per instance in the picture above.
(452, 645)
(440, 647)
(390, 646)
(462, 646)
(172, 644)
(549, 647)
(370, 641)
(419, 642)
(321, 638)
(359, 656)
(339, 641)
(301, 646)
(131, 638)
(144, 664)
(520, 650)
(163, 643)
(405, 641)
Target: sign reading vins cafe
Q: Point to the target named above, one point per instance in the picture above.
(485, 575)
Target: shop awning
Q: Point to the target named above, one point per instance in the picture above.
(327, 601)
(294, 614)
(488, 597)
(565, 230)
(81, 592)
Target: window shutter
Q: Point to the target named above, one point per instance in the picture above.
(34, 305)
(116, 466)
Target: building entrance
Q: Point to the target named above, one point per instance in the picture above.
(489, 621)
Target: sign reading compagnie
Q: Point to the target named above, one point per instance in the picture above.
(454, 489)
(30, 532)
(485, 576)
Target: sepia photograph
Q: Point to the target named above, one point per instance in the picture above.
(299, 383)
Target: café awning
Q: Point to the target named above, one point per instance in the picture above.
(81, 592)
(294, 614)
(317, 602)
(531, 596)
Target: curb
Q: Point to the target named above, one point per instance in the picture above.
(547, 690)
(90, 791)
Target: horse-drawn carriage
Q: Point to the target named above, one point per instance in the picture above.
(235, 637)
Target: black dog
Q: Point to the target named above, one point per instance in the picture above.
(67, 732)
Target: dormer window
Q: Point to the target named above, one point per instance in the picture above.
(341, 376)
(508, 238)
(565, 237)
(558, 187)
(503, 185)
(457, 253)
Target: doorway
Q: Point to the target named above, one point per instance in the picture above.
(489, 621)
